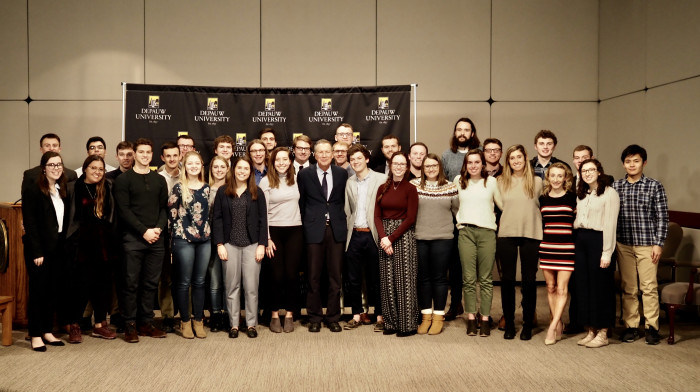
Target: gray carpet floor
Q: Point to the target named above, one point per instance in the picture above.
(357, 360)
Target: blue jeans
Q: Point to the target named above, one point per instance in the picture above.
(216, 283)
(191, 260)
(433, 263)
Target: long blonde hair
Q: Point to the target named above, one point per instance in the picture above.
(506, 179)
(184, 181)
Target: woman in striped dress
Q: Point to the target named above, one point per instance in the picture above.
(558, 208)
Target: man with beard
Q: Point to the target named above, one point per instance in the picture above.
(463, 139)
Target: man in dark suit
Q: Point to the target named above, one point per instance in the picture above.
(322, 203)
(48, 142)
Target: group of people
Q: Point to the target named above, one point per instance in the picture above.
(408, 227)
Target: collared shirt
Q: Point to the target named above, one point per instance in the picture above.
(540, 170)
(58, 206)
(298, 166)
(259, 174)
(643, 219)
(496, 172)
(170, 180)
(362, 196)
(329, 179)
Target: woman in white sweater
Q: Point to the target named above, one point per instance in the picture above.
(476, 221)
(597, 207)
(285, 239)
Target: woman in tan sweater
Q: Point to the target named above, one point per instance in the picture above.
(520, 231)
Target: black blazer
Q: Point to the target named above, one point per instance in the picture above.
(74, 221)
(31, 176)
(314, 206)
(41, 236)
(256, 216)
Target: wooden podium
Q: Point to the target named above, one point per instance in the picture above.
(13, 281)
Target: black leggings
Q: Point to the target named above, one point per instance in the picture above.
(507, 252)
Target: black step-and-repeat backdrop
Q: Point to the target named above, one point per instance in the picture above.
(163, 112)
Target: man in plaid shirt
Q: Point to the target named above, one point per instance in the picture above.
(642, 227)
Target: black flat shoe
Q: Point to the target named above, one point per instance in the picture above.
(39, 349)
(389, 331)
(509, 333)
(233, 333)
(56, 343)
(406, 334)
(251, 332)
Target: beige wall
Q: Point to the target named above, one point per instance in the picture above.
(650, 91)
(544, 63)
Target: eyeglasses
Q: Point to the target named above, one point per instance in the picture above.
(435, 166)
(492, 150)
(186, 146)
(303, 148)
(96, 168)
(96, 148)
(54, 165)
(398, 164)
(588, 171)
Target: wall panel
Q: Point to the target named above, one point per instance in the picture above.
(203, 43)
(15, 149)
(622, 47)
(442, 46)
(545, 50)
(13, 50)
(83, 50)
(307, 43)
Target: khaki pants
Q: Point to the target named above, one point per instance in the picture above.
(635, 262)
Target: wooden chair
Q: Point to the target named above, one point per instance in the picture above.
(676, 295)
(7, 308)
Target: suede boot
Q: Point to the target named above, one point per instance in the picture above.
(199, 329)
(425, 324)
(186, 328)
(436, 326)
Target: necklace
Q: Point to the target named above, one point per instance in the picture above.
(90, 193)
(397, 185)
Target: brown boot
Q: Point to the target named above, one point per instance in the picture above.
(425, 324)
(199, 329)
(436, 326)
(186, 328)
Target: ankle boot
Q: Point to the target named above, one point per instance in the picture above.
(425, 324)
(199, 329)
(215, 322)
(436, 326)
(186, 328)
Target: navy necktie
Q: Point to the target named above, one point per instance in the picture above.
(324, 186)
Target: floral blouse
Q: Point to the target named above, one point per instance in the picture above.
(189, 222)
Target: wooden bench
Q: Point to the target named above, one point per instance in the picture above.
(7, 308)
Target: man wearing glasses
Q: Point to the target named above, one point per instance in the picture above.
(95, 146)
(186, 144)
(302, 152)
(493, 149)
(344, 133)
(258, 155)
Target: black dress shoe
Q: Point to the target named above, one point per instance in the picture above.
(389, 331)
(57, 343)
(314, 327)
(39, 349)
(509, 332)
(526, 333)
(573, 329)
(251, 332)
(334, 327)
(233, 333)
